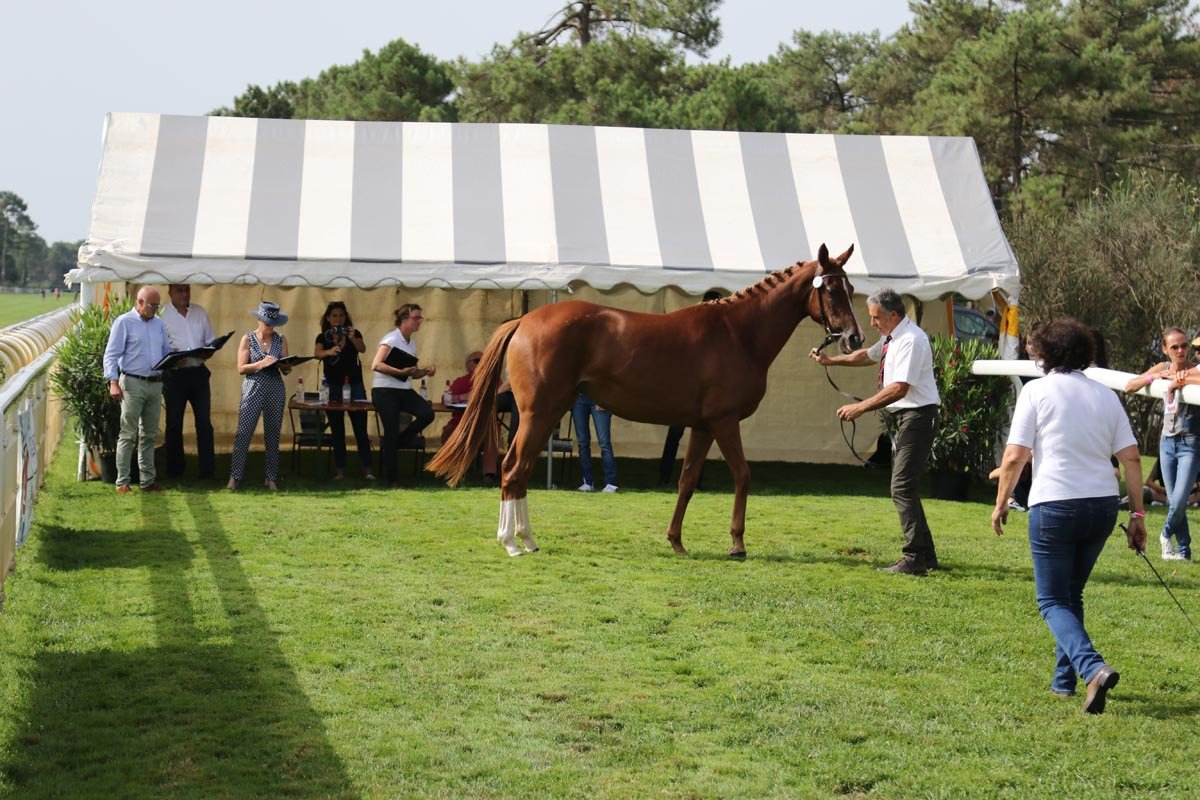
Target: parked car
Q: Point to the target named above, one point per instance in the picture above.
(969, 324)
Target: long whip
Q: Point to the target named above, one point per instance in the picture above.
(1142, 553)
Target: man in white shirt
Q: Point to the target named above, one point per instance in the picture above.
(187, 381)
(908, 391)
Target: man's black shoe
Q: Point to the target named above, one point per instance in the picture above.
(909, 566)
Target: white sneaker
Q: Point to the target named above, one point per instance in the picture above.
(1168, 550)
(610, 488)
(587, 487)
(1015, 506)
(1173, 556)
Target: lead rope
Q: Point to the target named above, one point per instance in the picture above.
(830, 338)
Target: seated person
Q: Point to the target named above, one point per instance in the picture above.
(1155, 493)
(460, 392)
(507, 404)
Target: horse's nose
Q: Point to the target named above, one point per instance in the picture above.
(855, 341)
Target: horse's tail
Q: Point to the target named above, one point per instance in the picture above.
(479, 421)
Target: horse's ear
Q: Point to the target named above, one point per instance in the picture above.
(823, 258)
(844, 257)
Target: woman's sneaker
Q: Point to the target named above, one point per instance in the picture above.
(1168, 550)
(586, 487)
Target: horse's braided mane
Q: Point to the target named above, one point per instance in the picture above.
(765, 285)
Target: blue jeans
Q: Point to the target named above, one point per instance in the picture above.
(1179, 457)
(1065, 538)
(583, 409)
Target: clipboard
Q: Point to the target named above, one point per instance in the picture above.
(400, 359)
(171, 359)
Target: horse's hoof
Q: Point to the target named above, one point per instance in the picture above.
(741, 554)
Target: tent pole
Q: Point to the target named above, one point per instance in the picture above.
(550, 441)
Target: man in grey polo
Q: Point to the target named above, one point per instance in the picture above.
(138, 340)
(908, 391)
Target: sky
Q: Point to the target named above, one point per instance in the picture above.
(68, 63)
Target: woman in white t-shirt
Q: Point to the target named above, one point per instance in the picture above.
(392, 393)
(1070, 426)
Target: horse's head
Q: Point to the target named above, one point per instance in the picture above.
(830, 301)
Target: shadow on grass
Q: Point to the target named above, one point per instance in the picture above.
(197, 715)
(312, 473)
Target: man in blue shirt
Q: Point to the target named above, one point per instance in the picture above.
(137, 342)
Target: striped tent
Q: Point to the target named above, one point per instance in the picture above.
(217, 200)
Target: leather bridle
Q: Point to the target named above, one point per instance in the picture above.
(832, 336)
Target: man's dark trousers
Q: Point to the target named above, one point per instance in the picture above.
(181, 386)
(911, 444)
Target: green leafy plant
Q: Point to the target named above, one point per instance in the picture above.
(974, 408)
(78, 377)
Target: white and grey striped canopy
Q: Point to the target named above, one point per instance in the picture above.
(322, 203)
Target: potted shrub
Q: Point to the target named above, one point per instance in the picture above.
(973, 414)
(78, 379)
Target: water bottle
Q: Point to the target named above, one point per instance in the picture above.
(300, 390)
(323, 394)
(424, 391)
(447, 397)
(346, 390)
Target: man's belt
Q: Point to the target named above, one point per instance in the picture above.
(150, 378)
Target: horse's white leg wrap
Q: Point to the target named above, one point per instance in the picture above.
(506, 532)
(524, 529)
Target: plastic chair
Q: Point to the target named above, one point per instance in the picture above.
(417, 446)
(564, 444)
(311, 432)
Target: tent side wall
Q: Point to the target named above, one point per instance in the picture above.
(795, 422)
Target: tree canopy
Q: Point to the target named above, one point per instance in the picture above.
(25, 257)
(1063, 97)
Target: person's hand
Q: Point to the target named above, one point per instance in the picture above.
(817, 355)
(267, 361)
(1135, 535)
(999, 518)
(850, 412)
(430, 370)
(114, 391)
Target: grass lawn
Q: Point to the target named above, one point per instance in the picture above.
(337, 640)
(16, 308)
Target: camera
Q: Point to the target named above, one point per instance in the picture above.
(335, 331)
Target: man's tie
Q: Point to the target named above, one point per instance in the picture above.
(883, 359)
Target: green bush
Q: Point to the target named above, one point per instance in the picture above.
(78, 377)
(1124, 263)
(974, 408)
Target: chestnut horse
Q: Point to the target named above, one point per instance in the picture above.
(703, 367)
